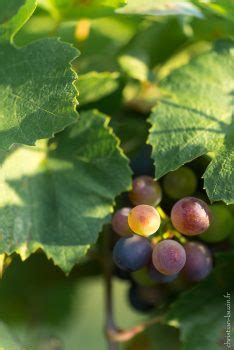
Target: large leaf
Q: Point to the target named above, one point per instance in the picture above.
(7, 341)
(160, 8)
(37, 95)
(58, 197)
(195, 117)
(67, 9)
(201, 313)
(13, 14)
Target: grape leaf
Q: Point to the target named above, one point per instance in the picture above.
(13, 15)
(224, 8)
(7, 342)
(195, 117)
(200, 312)
(37, 95)
(93, 86)
(58, 197)
(160, 8)
(67, 9)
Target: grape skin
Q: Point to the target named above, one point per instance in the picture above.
(132, 253)
(191, 216)
(145, 190)
(168, 257)
(144, 299)
(144, 220)
(158, 277)
(120, 222)
(198, 262)
(221, 225)
(142, 277)
(180, 183)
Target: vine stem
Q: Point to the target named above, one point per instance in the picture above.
(107, 273)
(115, 335)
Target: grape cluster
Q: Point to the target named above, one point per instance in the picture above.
(155, 249)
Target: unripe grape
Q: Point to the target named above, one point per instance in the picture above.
(142, 277)
(145, 190)
(168, 257)
(132, 253)
(144, 220)
(198, 261)
(191, 216)
(180, 183)
(120, 222)
(221, 224)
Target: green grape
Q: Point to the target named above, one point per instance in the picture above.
(180, 183)
(142, 277)
(221, 224)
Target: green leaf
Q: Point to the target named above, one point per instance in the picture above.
(195, 117)
(93, 86)
(67, 9)
(37, 95)
(58, 197)
(200, 312)
(160, 8)
(13, 15)
(135, 65)
(7, 342)
(224, 8)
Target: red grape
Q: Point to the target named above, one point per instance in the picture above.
(145, 190)
(120, 222)
(191, 216)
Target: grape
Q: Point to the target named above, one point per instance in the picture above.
(221, 225)
(144, 299)
(122, 274)
(145, 190)
(144, 220)
(142, 277)
(132, 253)
(180, 183)
(198, 261)
(168, 257)
(191, 216)
(157, 276)
(120, 222)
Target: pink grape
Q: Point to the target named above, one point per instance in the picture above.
(191, 216)
(120, 222)
(145, 190)
(168, 257)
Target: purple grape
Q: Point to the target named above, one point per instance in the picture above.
(145, 190)
(158, 277)
(120, 222)
(132, 253)
(198, 261)
(191, 216)
(144, 299)
(168, 257)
